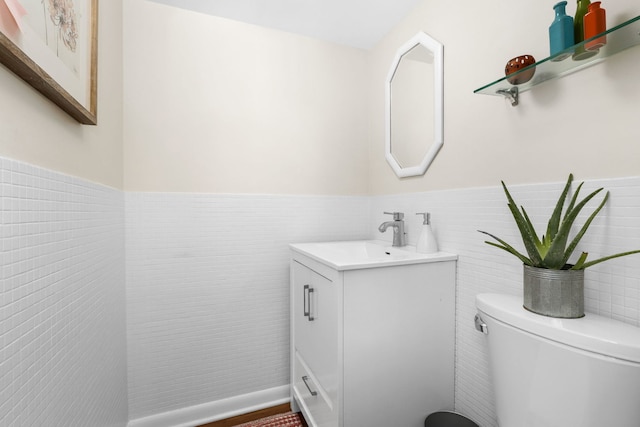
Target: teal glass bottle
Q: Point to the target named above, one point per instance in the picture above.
(578, 31)
(561, 35)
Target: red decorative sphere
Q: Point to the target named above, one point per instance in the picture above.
(517, 64)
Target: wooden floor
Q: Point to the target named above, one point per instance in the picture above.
(252, 416)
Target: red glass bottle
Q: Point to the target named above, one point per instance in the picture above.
(595, 22)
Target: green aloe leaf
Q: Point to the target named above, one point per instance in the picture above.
(599, 260)
(527, 234)
(536, 241)
(554, 221)
(576, 239)
(556, 254)
(578, 265)
(506, 247)
(572, 203)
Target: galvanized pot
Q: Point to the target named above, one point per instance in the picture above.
(554, 293)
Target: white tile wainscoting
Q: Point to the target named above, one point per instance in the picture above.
(207, 289)
(62, 300)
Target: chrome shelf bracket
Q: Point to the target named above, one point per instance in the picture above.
(511, 93)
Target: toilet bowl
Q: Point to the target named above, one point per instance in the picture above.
(549, 372)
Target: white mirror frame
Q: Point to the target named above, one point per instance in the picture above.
(437, 49)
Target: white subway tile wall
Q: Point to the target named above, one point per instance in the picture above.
(612, 288)
(62, 307)
(207, 287)
(208, 290)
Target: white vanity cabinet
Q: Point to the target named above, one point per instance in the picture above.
(372, 344)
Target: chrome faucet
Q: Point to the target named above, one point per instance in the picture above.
(399, 236)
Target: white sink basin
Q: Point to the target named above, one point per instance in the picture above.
(357, 254)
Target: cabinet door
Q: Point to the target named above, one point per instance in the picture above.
(316, 325)
(398, 344)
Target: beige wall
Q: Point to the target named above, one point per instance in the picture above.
(214, 105)
(584, 123)
(36, 131)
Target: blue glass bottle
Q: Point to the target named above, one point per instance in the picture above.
(561, 32)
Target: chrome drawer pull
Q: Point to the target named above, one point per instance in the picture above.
(308, 290)
(304, 380)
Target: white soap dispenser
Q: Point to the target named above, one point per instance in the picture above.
(427, 241)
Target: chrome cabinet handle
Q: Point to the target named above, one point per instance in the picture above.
(305, 302)
(308, 291)
(304, 380)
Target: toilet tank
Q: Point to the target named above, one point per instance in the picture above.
(549, 372)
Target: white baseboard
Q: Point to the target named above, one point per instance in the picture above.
(217, 410)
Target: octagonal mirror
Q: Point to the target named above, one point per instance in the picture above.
(414, 106)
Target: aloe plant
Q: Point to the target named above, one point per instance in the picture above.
(554, 249)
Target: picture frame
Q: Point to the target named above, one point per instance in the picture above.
(52, 45)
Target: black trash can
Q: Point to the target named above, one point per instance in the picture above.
(448, 419)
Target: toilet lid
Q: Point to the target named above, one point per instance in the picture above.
(592, 333)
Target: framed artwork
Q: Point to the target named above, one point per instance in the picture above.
(52, 45)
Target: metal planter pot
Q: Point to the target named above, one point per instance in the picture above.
(554, 293)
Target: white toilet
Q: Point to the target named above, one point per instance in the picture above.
(549, 372)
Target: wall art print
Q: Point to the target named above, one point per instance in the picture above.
(52, 45)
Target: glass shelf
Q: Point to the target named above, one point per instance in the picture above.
(619, 38)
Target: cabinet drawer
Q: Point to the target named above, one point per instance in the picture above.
(315, 324)
(316, 404)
